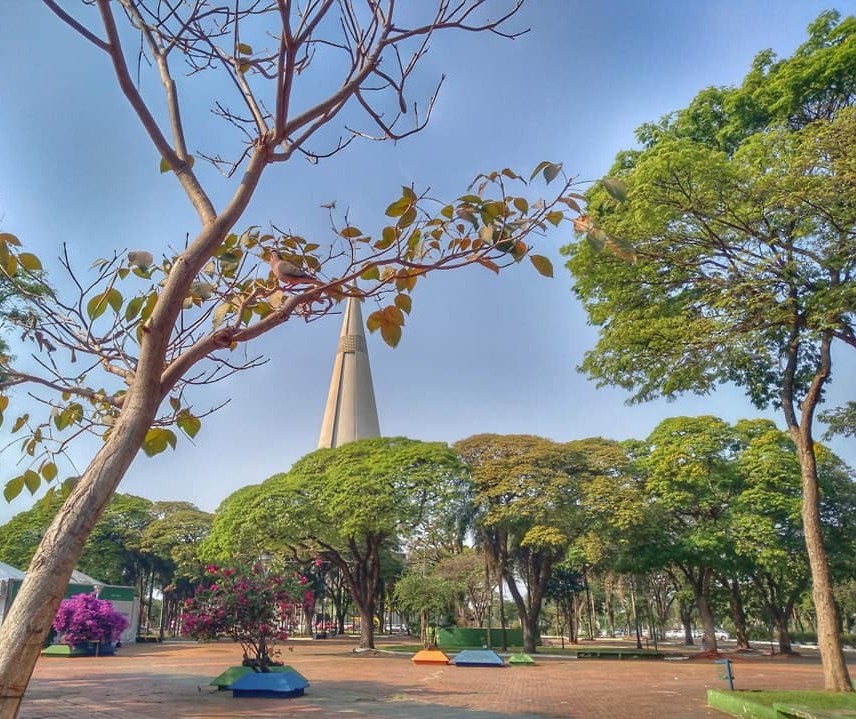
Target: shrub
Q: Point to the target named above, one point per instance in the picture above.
(85, 618)
(250, 605)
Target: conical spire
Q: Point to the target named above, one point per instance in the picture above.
(351, 412)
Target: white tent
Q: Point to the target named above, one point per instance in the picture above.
(8, 576)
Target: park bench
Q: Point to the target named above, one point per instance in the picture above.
(616, 654)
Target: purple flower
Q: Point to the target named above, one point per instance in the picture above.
(84, 618)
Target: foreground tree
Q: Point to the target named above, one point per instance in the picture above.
(740, 212)
(144, 328)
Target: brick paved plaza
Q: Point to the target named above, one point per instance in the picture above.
(171, 680)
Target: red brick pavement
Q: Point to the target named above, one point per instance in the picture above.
(150, 681)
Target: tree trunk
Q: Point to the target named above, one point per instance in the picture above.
(700, 584)
(589, 604)
(504, 635)
(784, 633)
(835, 674)
(31, 615)
(685, 610)
(738, 612)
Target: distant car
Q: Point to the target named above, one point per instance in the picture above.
(675, 634)
(721, 635)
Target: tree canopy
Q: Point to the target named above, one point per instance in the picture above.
(344, 506)
(739, 209)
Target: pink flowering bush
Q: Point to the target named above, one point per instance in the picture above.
(250, 605)
(85, 618)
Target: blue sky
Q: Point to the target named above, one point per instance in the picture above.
(480, 353)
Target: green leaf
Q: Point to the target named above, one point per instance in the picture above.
(408, 217)
(32, 481)
(391, 334)
(99, 303)
(30, 262)
(350, 232)
(404, 303)
(20, 422)
(521, 204)
(555, 217)
(189, 424)
(13, 488)
(616, 189)
(542, 264)
(115, 299)
(157, 440)
(374, 321)
(244, 49)
(541, 166)
(552, 171)
(164, 165)
(370, 273)
(49, 471)
(132, 309)
(597, 239)
(398, 208)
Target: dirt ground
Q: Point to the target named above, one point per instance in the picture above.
(156, 681)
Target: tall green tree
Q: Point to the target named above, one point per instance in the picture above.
(527, 495)
(740, 212)
(170, 543)
(344, 506)
(112, 553)
(691, 479)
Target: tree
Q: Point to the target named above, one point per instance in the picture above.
(249, 604)
(740, 215)
(563, 589)
(691, 480)
(526, 491)
(111, 553)
(343, 506)
(171, 543)
(145, 329)
(430, 597)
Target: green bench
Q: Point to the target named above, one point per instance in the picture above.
(616, 654)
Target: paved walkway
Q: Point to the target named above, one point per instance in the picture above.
(152, 681)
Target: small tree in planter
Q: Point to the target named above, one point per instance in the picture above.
(85, 620)
(250, 605)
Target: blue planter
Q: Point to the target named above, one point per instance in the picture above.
(93, 649)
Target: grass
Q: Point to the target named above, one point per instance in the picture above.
(774, 704)
(813, 699)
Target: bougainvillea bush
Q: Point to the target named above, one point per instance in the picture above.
(249, 604)
(85, 618)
